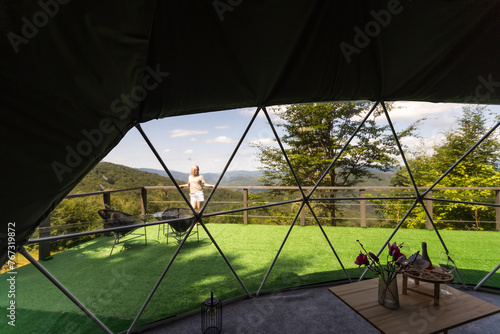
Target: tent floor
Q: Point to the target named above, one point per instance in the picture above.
(312, 310)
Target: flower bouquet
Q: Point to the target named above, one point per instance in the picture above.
(396, 262)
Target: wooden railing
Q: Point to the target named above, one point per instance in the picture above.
(362, 198)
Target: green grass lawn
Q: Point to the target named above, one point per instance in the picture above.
(115, 287)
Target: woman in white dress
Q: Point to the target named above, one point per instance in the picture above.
(196, 183)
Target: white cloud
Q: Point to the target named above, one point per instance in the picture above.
(415, 143)
(166, 150)
(184, 133)
(221, 127)
(188, 152)
(440, 117)
(247, 111)
(220, 139)
(413, 110)
(263, 141)
(270, 110)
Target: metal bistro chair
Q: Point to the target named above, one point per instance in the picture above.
(114, 218)
(180, 224)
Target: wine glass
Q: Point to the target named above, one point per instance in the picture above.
(447, 264)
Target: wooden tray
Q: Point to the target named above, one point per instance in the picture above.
(435, 275)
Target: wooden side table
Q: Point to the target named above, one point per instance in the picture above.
(417, 314)
(435, 276)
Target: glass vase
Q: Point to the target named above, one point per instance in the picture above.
(388, 292)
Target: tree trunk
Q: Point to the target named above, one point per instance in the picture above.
(333, 205)
(333, 209)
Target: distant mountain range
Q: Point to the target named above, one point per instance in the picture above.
(107, 175)
(231, 178)
(250, 178)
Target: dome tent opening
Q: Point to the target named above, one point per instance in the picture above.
(77, 76)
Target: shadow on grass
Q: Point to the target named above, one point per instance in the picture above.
(473, 277)
(36, 321)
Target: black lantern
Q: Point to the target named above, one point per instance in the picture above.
(211, 315)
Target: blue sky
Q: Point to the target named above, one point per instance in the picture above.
(209, 139)
(206, 139)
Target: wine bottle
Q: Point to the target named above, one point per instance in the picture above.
(425, 256)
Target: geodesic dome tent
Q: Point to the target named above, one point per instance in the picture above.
(75, 76)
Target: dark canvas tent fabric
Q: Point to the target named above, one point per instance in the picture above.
(75, 76)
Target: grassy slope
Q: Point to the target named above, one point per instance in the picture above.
(115, 287)
(113, 176)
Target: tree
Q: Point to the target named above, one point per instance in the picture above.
(314, 135)
(479, 169)
(483, 176)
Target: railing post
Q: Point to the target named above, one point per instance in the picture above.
(428, 205)
(245, 205)
(362, 208)
(106, 200)
(144, 202)
(303, 216)
(44, 231)
(497, 202)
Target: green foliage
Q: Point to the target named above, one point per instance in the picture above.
(112, 176)
(483, 176)
(80, 214)
(479, 169)
(314, 137)
(74, 216)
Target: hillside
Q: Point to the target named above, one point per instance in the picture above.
(107, 175)
(231, 178)
(250, 178)
(385, 179)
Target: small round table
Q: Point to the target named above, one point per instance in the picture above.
(434, 275)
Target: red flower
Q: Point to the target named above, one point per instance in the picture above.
(362, 259)
(394, 251)
(392, 248)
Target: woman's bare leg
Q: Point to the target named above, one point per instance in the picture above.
(196, 205)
